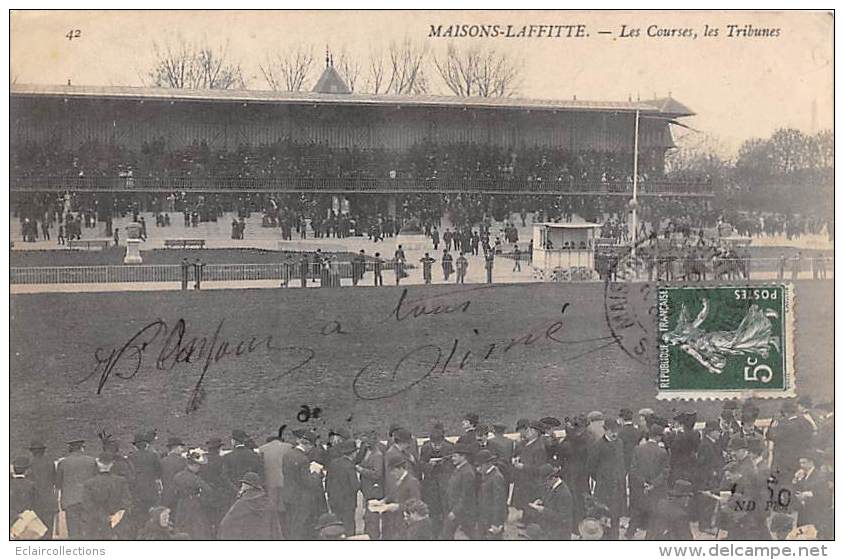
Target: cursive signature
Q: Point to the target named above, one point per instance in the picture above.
(177, 348)
(421, 362)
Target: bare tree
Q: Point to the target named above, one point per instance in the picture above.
(400, 70)
(183, 64)
(349, 68)
(375, 81)
(289, 70)
(479, 71)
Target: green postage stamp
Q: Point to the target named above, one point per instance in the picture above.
(722, 342)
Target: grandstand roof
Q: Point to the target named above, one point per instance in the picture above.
(668, 106)
(331, 82)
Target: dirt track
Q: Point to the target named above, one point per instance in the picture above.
(54, 338)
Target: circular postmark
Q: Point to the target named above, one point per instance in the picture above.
(630, 309)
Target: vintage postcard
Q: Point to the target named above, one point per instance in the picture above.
(421, 275)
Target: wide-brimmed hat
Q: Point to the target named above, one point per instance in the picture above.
(75, 442)
(252, 479)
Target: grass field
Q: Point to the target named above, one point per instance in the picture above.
(255, 382)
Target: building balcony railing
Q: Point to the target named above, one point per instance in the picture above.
(189, 183)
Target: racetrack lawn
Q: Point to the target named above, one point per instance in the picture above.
(54, 338)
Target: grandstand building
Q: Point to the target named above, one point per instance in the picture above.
(333, 141)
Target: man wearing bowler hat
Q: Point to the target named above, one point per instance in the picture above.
(708, 470)
(791, 434)
(530, 454)
(371, 469)
(171, 464)
(301, 486)
(72, 472)
(502, 447)
(43, 474)
(252, 517)
(462, 507)
(404, 447)
(493, 492)
(342, 484)
(146, 486)
(405, 487)
(648, 480)
(212, 473)
(436, 467)
(684, 448)
(556, 507)
(242, 459)
(606, 465)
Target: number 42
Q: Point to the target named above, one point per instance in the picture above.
(73, 34)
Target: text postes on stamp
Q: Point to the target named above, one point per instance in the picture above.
(725, 342)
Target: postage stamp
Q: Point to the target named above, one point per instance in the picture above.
(721, 342)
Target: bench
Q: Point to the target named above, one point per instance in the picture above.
(184, 243)
(88, 244)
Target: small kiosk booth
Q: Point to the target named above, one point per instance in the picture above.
(564, 246)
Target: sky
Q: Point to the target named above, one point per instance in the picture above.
(740, 87)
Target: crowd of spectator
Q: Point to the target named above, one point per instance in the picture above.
(426, 161)
(590, 476)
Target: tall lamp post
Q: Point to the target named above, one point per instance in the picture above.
(634, 202)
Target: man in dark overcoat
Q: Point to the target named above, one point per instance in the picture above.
(462, 498)
(301, 487)
(342, 484)
(43, 474)
(436, 467)
(71, 473)
(104, 497)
